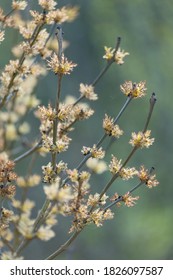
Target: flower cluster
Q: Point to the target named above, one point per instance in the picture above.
(47, 5)
(7, 175)
(141, 139)
(61, 67)
(110, 128)
(29, 181)
(115, 167)
(117, 55)
(129, 200)
(94, 152)
(88, 92)
(19, 5)
(50, 173)
(147, 177)
(134, 90)
(96, 165)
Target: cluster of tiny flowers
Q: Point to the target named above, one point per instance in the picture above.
(47, 5)
(129, 200)
(57, 194)
(64, 14)
(47, 113)
(115, 167)
(110, 128)
(67, 115)
(98, 216)
(19, 5)
(50, 173)
(134, 90)
(88, 92)
(61, 145)
(94, 200)
(96, 165)
(5, 218)
(148, 178)
(7, 191)
(78, 177)
(94, 152)
(29, 181)
(7, 175)
(141, 139)
(22, 89)
(117, 55)
(61, 67)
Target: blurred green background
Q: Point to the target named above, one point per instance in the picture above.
(146, 28)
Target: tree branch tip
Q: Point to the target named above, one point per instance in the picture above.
(118, 43)
(152, 169)
(153, 98)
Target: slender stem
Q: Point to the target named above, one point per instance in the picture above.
(22, 245)
(129, 156)
(50, 34)
(109, 63)
(7, 244)
(8, 14)
(101, 140)
(121, 197)
(114, 177)
(38, 220)
(83, 161)
(152, 103)
(123, 109)
(103, 71)
(55, 122)
(108, 185)
(136, 187)
(63, 247)
(29, 152)
(116, 119)
(59, 35)
(113, 203)
(41, 214)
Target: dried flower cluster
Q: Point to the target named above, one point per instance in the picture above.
(118, 55)
(68, 191)
(134, 90)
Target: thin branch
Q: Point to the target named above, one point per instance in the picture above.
(152, 103)
(103, 71)
(109, 63)
(63, 247)
(116, 119)
(8, 14)
(101, 139)
(120, 198)
(29, 152)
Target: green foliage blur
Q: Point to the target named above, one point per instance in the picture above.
(144, 231)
